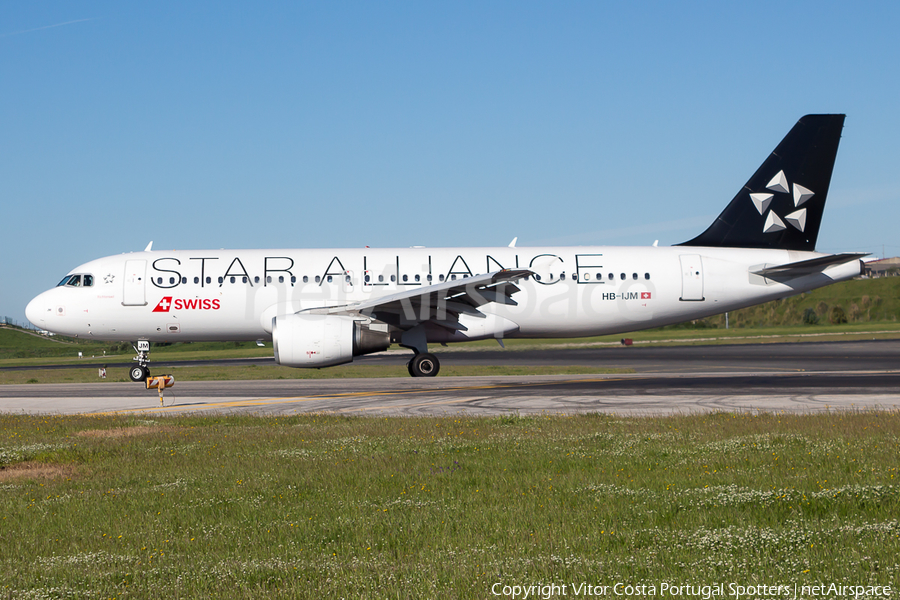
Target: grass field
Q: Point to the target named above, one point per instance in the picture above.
(327, 507)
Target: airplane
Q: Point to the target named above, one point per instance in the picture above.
(324, 307)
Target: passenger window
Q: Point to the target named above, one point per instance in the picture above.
(293, 280)
(646, 275)
(428, 277)
(634, 276)
(268, 279)
(441, 277)
(171, 281)
(368, 279)
(305, 279)
(221, 280)
(622, 277)
(405, 278)
(196, 280)
(611, 276)
(184, 280)
(393, 278)
(232, 279)
(318, 279)
(418, 278)
(380, 278)
(329, 279)
(281, 279)
(209, 280)
(347, 278)
(256, 279)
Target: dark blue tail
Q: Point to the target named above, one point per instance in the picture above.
(781, 206)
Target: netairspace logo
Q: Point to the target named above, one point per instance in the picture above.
(714, 591)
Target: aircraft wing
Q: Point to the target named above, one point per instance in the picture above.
(808, 267)
(441, 303)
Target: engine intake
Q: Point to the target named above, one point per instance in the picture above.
(307, 340)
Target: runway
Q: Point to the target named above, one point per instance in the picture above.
(809, 377)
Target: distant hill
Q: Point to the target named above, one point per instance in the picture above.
(855, 301)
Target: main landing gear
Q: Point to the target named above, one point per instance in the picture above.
(424, 365)
(141, 371)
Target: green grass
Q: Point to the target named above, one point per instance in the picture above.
(326, 506)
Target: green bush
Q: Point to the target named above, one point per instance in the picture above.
(810, 317)
(837, 316)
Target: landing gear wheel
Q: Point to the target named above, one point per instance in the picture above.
(139, 373)
(424, 365)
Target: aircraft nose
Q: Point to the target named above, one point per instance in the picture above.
(37, 312)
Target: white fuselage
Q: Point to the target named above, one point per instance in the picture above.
(197, 295)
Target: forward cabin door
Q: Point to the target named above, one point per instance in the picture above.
(691, 278)
(135, 274)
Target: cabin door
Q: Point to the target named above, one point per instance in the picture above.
(135, 275)
(691, 278)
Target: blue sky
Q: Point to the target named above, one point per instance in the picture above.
(344, 124)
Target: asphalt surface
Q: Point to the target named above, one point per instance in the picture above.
(807, 377)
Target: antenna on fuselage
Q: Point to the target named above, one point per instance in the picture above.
(149, 247)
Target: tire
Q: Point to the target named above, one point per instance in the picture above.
(139, 373)
(424, 365)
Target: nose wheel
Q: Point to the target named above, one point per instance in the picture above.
(424, 365)
(139, 373)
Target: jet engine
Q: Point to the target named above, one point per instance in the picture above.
(309, 340)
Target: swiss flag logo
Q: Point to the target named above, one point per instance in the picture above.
(164, 305)
(645, 295)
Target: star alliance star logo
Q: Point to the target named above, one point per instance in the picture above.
(779, 184)
(109, 278)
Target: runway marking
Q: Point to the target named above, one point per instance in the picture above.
(374, 393)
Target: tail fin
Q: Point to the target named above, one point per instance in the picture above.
(781, 206)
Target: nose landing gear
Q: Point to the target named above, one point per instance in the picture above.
(141, 371)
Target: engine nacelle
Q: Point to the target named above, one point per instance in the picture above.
(307, 340)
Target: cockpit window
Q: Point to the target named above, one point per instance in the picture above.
(77, 281)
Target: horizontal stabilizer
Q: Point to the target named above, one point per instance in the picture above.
(808, 267)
